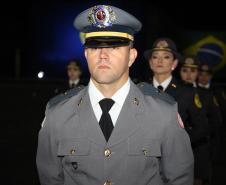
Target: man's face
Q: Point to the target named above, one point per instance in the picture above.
(204, 78)
(73, 72)
(110, 65)
(162, 62)
(189, 74)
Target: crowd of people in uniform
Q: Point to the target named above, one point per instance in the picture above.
(201, 105)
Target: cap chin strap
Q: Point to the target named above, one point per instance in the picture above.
(106, 45)
(109, 34)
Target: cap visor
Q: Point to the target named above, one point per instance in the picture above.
(106, 42)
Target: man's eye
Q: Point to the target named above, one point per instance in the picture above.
(154, 57)
(115, 47)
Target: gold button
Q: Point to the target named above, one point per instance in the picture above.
(107, 183)
(107, 153)
(72, 152)
(145, 152)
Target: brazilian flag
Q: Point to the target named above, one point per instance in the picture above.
(208, 47)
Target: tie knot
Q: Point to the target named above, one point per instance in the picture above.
(160, 87)
(106, 104)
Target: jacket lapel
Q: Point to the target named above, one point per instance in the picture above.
(127, 122)
(88, 121)
(172, 87)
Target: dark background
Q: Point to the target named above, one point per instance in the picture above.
(42, 37)
(39, 36)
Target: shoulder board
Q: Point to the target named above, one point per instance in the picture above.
(166, 97)
(63, 96)
(149, 90)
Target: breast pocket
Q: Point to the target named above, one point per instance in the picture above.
(74, 154)
(144, 156)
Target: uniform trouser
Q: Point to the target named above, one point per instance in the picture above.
(216, 143)
(203, 167)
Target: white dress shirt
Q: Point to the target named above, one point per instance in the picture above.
(207, 86)
(163, 84)
(119, 98)
(73, 82)
(194, 84)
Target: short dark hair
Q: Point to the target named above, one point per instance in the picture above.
(75, 62)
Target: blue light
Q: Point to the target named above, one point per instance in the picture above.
(56, 40)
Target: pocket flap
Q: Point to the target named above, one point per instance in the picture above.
(74, 147)
(147, 148)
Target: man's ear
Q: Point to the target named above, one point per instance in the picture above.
(85, 53)
(132, 56)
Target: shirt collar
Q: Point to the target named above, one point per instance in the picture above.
(194, 84)
(163, 84)
(74, 82)
(94, 94)
(207, 86)
(119, 97)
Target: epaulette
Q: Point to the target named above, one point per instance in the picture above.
(63, 96)
(149, 90)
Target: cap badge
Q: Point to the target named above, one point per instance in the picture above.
(205, 68)
(189, 61)
(162, 44)
(101, 16)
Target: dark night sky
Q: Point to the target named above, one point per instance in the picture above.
(21, 26)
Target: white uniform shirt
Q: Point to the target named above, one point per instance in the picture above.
(119, 98)
(163, 84)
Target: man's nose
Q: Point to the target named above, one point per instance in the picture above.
(103, 52)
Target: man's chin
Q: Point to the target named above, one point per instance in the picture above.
(104, 80)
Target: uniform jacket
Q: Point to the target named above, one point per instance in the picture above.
(147, 146)
(190, 109)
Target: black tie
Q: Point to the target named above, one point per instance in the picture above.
(72, 85)
(105, 122)
(160, 88)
